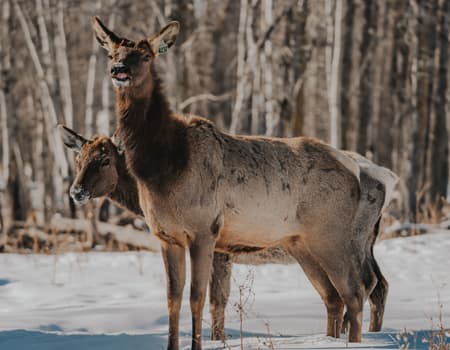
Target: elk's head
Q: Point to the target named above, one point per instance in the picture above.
(96, 165)
(130, 61)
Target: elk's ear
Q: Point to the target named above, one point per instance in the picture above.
(71, 139)
(162, 41)
(105, 37)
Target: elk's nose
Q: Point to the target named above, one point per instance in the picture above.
(78, 193)
(119, 68)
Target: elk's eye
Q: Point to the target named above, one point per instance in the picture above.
(147, 58)
(105, 162)
(110, 57)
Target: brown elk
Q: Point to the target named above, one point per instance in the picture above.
(201, 189)
(101, 171)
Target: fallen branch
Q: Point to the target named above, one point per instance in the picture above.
(64, 234)
(123, 234)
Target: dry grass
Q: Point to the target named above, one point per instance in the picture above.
(437, 339)
(246, 294)
(440, 336)
(268, 341)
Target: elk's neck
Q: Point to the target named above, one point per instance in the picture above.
(153, 137)
(126, 193)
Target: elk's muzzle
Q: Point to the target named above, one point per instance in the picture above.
(120, 68)
(120, 74)
(79, 194)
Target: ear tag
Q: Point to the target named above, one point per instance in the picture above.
(120, 148)
(119, 145)
(163, 47)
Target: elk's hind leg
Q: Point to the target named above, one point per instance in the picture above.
(370, 283)
(319, 279)
(379, 294)
(351, 289)
(345, 273)
(378, 301)
(372, 200)
(219, 292)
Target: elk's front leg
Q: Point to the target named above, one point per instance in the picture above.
(201, 251)
(219, 292)
(175, 263)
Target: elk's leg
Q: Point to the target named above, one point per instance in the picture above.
(175, 264)
(319, 279)
(352, 290)
(378, 301)
(201, 251)
(344, 269)
(370, 282)
(219, 292)
(378, 296)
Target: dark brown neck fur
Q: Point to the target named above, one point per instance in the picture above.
(154, 139)
(126, 192)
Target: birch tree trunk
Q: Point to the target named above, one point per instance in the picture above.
(62, 65)
(6, 204)
(335, 119)
(104, 117)
(242, 84)
(47, 63)
(272, 115)
(90, 86)
(60, 168)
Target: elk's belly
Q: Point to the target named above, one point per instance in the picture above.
(257, 226)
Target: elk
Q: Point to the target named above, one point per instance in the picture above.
(102, 172)
(203, 190)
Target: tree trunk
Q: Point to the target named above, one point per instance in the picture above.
(6, 203)
(439, 146)
(335, 70)
(62, 65)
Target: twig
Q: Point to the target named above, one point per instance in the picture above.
(203, 97)
(277, 20)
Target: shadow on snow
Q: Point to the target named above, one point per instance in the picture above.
(42, 340)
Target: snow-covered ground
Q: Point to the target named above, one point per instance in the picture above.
(117, 301)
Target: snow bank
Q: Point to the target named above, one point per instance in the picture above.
(117, 301)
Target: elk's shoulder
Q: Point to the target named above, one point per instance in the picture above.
(202, 130)
(196, 121)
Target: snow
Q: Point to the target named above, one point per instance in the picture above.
(117, 301)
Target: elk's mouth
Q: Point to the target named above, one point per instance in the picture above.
(121, 79)
(80, 196)
(81, 201)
